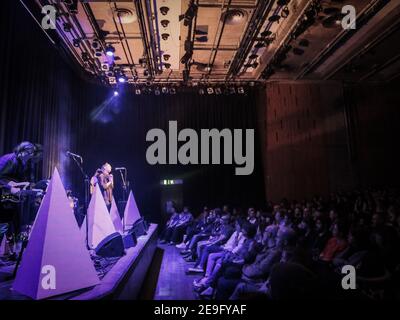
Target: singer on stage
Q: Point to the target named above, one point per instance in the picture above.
(105, 179)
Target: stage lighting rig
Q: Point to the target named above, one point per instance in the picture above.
(110, 50)
(190, 13)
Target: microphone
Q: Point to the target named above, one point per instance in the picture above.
(74, 155)
(121, 168)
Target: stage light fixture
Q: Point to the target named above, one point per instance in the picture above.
(110, 50)
(164, 10)
(122, 78)
(157, 91)
(164, 90)
(167, 65)
(165, 36)
(67, 27)
(138, 91)
(210, 90)
(218, 90)
(76, 43)
(165, 23)
(240, 90)
(172, 90)
(201, 91)
(166, 57)
(116, 93)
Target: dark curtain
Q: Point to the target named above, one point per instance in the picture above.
(44, 100)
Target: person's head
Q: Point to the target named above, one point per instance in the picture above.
(249, 230)
(185, 209)
(278, 217)
(297, 213)
(285, 237)
(333, 215)
(288, 218)
(339, 230)
(106, 168)
(377, 220)
(226, 219)
(251, 213)
(320, 225)
(26, 151)
(306, 212)
(225, 209)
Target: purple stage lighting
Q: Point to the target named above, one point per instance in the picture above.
(122, 79)
(116, 93)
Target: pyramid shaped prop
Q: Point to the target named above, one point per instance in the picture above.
(55, 260)
(131, 213)
(83, 230)
(99, 220)
(115, 217)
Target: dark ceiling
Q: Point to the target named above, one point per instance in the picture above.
(227, 41)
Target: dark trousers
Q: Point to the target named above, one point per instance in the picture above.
(178, 233)
(226, 287)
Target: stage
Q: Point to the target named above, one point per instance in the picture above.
(122, 282)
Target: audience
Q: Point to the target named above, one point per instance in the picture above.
(293, 250)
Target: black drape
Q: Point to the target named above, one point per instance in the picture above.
(44, 100)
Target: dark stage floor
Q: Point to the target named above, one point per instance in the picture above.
(173, 283)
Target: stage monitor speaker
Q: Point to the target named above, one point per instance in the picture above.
(111, 246)
(139, 228)
(129, 239)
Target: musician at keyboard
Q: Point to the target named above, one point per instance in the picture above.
(17, 174)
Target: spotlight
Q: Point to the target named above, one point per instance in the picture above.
(110, 50)
(116, 93)
(98, 53)
(138, 91)
(67, 27)
(105, 66)
(164, 10)
(232, 90)
(165, 23)
(121, 79)
(95, 44)
(165, 36)
(164, 90)
(146, 73)
(76, 43)
(201, 91)
(210, 90)
(85, 56)
(167, 65)
(240, 90)
(172, 91)
(157, 91)
(166, 57)
(218, 90)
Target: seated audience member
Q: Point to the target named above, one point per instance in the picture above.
(259, 270)
(211, 229)
(291, 281)
(170, 225)
(215, 253)
(321, 236)
(195, 227)
(251, 216)
(336, 244)
(220, 238)
(185, 218)
(231, 259)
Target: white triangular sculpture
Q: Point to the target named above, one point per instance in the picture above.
(83, 230)
(3, 246)
(131, 213)
(115, 217)
(55, 260)
(99, 221)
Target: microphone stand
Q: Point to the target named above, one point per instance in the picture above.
(125, 185)
(86, 200)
